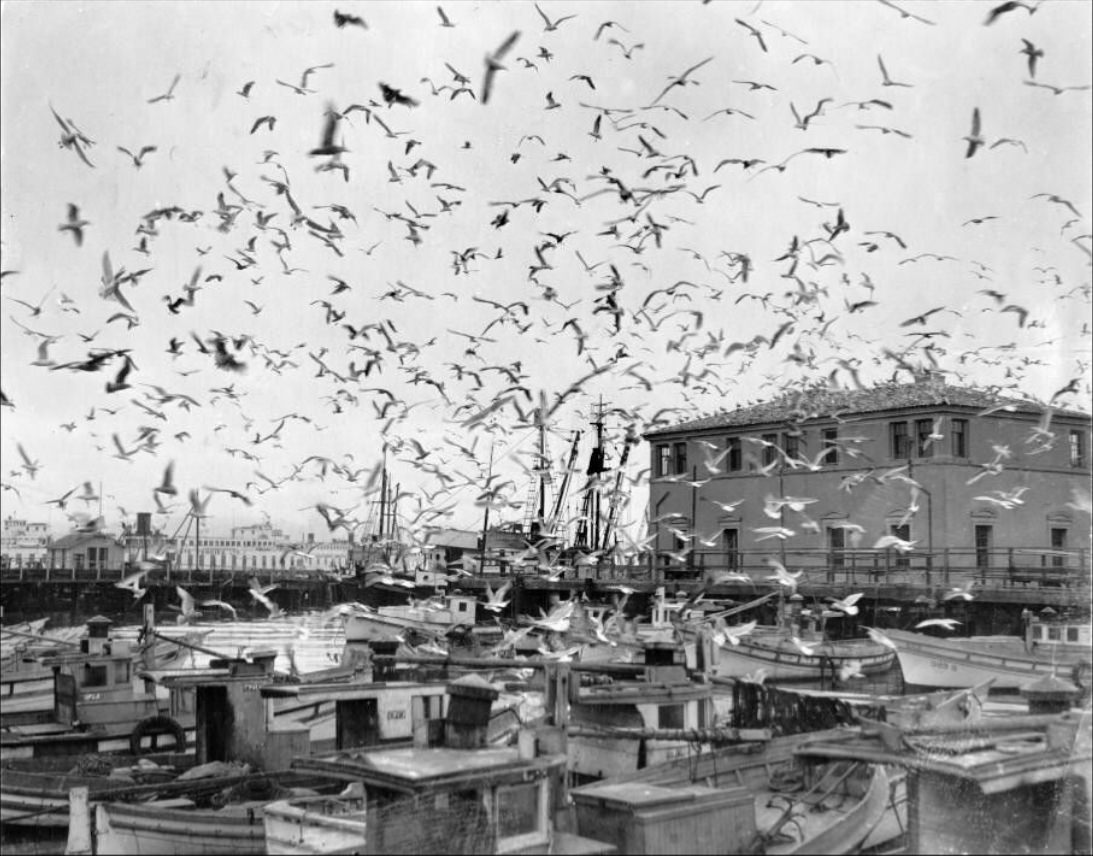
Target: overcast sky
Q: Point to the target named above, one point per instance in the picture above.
(651, 186)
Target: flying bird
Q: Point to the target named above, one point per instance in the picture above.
(946, 623)
(975, 139)
(169, 94)
(138, 159)
(493, 65)
(551, 26)
(74, 225)
(343, 20)
(1008, 6)
(444, 21)
(887, 81)
(1033, 53)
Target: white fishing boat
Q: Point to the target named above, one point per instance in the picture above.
(1049, 647)
(436, 617)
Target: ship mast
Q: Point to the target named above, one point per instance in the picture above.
(588, 528)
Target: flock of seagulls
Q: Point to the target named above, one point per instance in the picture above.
(580, 262)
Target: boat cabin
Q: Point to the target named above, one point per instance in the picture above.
(95, 684)
(1045, 634)
(666, 699)
(1014, 784)
(459, 797)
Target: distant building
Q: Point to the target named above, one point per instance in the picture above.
(24, 544)
(838, 469)
(260, 547)
(90, 551)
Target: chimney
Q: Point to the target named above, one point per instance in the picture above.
(1050, 694)
(468, 720)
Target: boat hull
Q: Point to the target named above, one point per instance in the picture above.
(154, 830)
(783, 662)
(314, 825)
(947, 663)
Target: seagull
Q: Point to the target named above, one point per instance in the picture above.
(132, 583)
(975, 139)
(878, 637)
(850, 669)
(222, 605)
(493, 65)
(947, 623)
(886, 541)
(189, 608)
(887, 81)
(74, 224)
(1033, 53)
(781, 575)
(964, 593)
(494, 599)
(734, 634)
(274, 609)
(848, 604)
(444, 21)
(551, 26)
(807, 650)
(138, 159)
(327, 146)
(169, 94)
(342, 20)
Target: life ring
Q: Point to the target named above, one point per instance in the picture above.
(154, 726)
(1083, 675)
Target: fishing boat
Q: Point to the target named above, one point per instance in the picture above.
(734, 801)
(795, 649)
(627, 723)
(1008, 784)
(207, 815)
(99, 704)
(1048, 647)
(435, 618)
(476, 799)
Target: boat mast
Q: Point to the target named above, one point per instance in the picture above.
(588, 529)
(616, 497)
(486, 517)
(563, 490)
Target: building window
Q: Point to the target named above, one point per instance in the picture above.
(901, 442)
(731, 540)
(664, 460)
(958, 430)
(791, 445)
(735, 458)
(831, 445)
(1058, 545)
(983, 541)
(680, 455)
(836, 543)
(1077, 449)
(770, 448)
(923, 444)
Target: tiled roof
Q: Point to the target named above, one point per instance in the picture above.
(800, 405)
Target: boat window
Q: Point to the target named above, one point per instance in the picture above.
(670, 716)
(518, 809)
(121, 673)
(462, 606)
(1053, 634)
(95, 676)
(1072, 634)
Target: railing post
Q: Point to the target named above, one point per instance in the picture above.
(945, 561)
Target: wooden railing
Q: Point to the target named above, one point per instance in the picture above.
(1008, 567)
